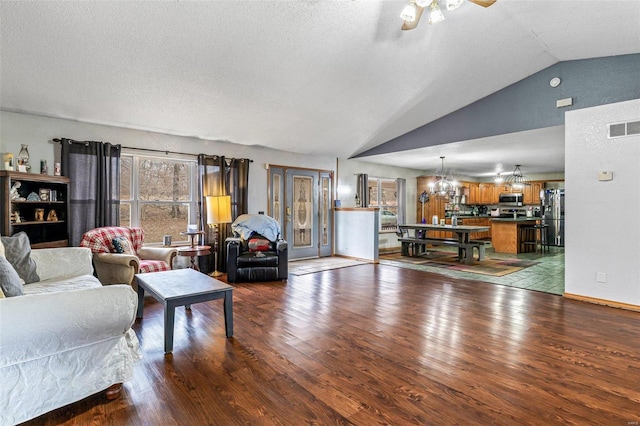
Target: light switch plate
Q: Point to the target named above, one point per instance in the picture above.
(605, 176)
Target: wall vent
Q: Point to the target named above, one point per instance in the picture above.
(619, 130)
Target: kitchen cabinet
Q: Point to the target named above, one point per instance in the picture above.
(506, 235)
(474, 193)
(38, 207)
(532, 192)
(435, 205)
(487, 193)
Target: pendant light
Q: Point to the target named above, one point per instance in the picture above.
(443, 186)
(517, 180)
(436, 14)
(409, 12)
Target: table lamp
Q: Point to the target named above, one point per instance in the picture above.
(218, 211)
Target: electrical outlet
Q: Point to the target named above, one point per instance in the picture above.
(601, 277)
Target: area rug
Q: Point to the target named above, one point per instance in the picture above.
(309, 266)
(449, 260)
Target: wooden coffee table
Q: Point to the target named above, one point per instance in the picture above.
(183, 287)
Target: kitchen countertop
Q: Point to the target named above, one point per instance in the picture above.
(469, 216)
(519, 219)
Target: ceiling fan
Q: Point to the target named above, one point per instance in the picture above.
(415, 8)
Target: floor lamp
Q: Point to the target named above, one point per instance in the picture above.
(218, 211)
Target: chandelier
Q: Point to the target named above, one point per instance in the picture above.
(414, 9)
(443, 185)
(517, 180)
(410, 11)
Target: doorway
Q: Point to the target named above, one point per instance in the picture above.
(300, 200)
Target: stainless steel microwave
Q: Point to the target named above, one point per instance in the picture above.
(511, 199)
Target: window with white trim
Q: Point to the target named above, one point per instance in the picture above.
(383, 193)
(158, 194)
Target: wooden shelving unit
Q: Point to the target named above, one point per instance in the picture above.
(42, 233)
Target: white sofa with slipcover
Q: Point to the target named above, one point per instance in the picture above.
(65, 338)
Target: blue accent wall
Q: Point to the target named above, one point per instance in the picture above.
(529, 104)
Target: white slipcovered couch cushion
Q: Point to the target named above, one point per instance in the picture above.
(66, 338)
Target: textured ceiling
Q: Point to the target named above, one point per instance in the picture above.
(329, 78)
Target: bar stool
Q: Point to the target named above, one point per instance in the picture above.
(528, 238)
(541, 238)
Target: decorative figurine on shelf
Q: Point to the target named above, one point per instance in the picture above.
(39, 215)
(23, 158)
(33, 197)
(15, 217)
(44, 194)
(52, 216)
(13, 193)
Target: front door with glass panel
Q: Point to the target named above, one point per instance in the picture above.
(300, 200)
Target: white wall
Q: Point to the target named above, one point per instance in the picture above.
(38, 132)
(347, 183)
(357, 233)
(602, 225)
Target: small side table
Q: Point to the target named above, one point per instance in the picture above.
(192, 236)
(193, 252)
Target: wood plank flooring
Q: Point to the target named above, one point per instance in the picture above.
(376, 344)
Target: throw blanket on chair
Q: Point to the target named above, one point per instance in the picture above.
(246, 224)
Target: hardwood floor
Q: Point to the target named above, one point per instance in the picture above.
(376, 344)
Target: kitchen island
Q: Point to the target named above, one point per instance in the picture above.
(506, 235)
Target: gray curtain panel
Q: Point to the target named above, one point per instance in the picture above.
(94, 190)
(218, 175)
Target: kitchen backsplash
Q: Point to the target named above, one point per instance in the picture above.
(477, 210)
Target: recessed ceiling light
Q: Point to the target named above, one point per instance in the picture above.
(554, 82)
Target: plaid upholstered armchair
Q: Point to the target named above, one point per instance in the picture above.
(118, 254)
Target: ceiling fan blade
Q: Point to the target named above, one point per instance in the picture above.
(411, 25)
(483, 3)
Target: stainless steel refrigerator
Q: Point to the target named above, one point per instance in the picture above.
(553, 214)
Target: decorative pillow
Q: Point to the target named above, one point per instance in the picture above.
(123, 245)
(10, 284)
(18, 252)
(258, 244)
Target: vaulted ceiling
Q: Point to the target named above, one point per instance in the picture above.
(331, 78)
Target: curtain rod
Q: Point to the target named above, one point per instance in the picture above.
(166, 152)
(58, 140)
(182, 153)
